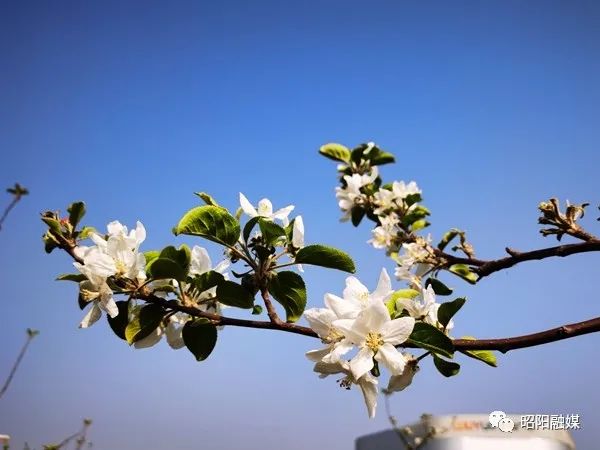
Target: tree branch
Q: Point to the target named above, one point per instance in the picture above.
(484, 268)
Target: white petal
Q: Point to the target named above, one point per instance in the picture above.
(368, 386)
(384, 286)
(348, 328)
(150, 340)
(174, 336)
(109, 306)
(298, 233)
(397, 331)
(320, 320)
(372, 318)
(200, 262)
(362, 362)
(140, 232)
(398, 383)
(283, 213)
(319, 354)
(115, 228)
(329, 368)
(344, 309)
(265, 208)
(355, 289)
(391, 358)
(338, 350)
(247, 206)
(91, 317)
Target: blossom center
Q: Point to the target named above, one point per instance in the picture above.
(121, 267)
(374, 340)
(334, 336)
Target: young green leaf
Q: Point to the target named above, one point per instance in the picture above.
(289, 290)
(232, 294)
(146, 321)
(249, 227)
(200, 337)
(337, 152)
(151, 255)
(446, 368)
(449, 309)
(270, 231)
(206, 280)
(76, 212)
(463, 271)
(430, 338)
(77, 277)
(181, 256)
(321, 255)
(208, 199)
(164, 269)
(210, 222)
(485, 356)
(119, 323)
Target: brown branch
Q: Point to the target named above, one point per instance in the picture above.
(530, 340)
(484, 268)
(271, 312)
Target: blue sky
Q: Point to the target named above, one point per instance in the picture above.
(133, 106)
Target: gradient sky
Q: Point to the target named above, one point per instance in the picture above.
(133, 106)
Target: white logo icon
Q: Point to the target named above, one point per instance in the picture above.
(506, 424)
(496, 417)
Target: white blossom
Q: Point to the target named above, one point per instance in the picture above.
(265, 209)
(400, 382)
(351, 194)
(298, 233)
(376, 335)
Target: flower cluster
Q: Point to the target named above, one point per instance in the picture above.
(360, 321)
(114, 255)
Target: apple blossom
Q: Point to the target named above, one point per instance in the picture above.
(376, 335)
(265, 209)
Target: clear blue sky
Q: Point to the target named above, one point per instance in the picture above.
(132, 106)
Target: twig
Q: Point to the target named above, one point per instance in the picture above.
(30, 335)
(18, 192)
(484, 268)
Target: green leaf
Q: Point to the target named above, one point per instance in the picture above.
(77, 277)
(419, 225)
(181, 256)
(357, 213)
(485, 356)
(289, 290)
(449, 309)
(438, 287)
(337, 152)
(53, 224)
(76, 212)
(447, 238)
(324, 256)
(208, 199)
(146, 321)
(249, 227)
(446, 368)
(119, 323)
(430, 338)
(206, 280)
(232, 294)
(164, 269)
(151, 255)
(378, 157)
(211, 222)
(404, 293)
(463, 271)
(270, 231)
(391, 307)
(200, 337)
(86, 232)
